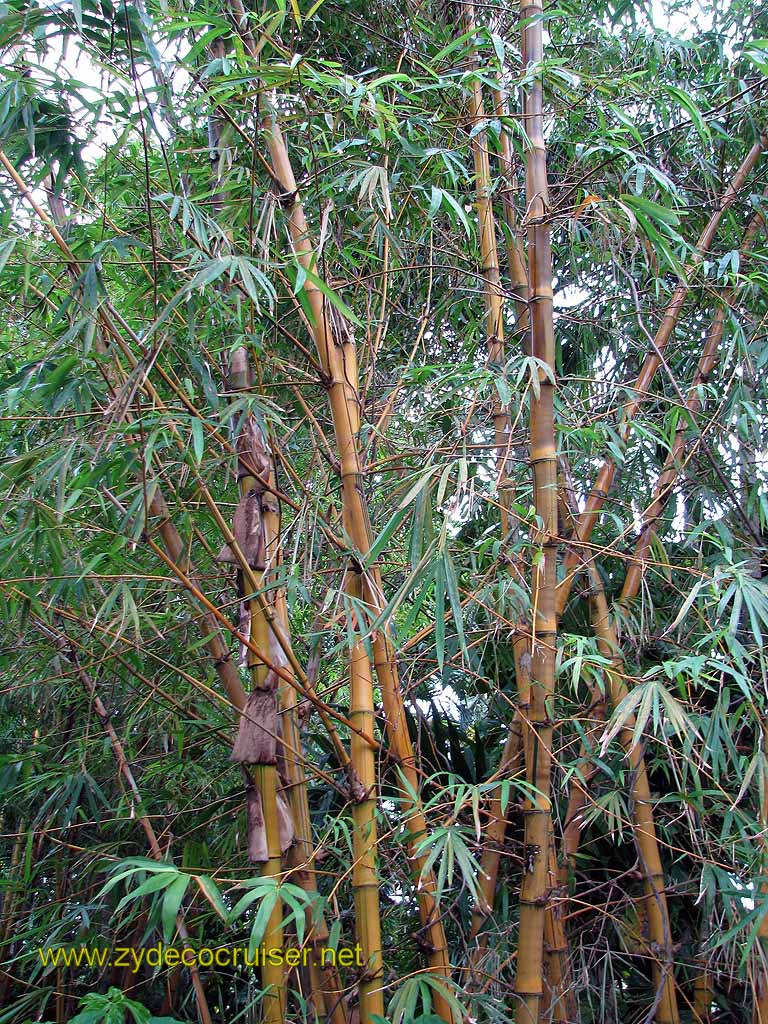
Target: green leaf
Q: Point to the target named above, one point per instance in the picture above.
(211, 892)
(687, 103)
(150, 885)
(171, 904)
(334, 299)
(198, 440)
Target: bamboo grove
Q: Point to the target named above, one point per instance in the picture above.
(383, 560)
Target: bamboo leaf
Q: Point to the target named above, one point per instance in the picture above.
(198, 440)
(211, 892)
(174, 894)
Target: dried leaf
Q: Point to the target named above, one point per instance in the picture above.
(252, 450)
(286, 829)
(257, 833)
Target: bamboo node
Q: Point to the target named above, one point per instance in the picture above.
(287, 198)
(532, 852)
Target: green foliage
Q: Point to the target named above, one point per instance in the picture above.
(141, 130)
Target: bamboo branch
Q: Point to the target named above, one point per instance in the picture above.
(693, 403)
(652, 362)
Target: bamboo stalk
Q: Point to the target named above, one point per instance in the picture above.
(664, 489)
(344, 404)
(272, 975)
(338, 360)
(365, 882)
(644, 828)
(326, 985)
(494, 306)
(265, 775)
(494, 330)
(556, 942)
(652, 362)
(539, 725)
(559, 997)
(518, 274)
(494, 337)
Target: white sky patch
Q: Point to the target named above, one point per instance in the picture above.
(684, 24)
(94, 77)
(570, 297)
(678, 521)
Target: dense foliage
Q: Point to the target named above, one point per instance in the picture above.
(150, 242)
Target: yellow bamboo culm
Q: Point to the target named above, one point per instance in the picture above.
(265, 776)
(335, 357)
(518, 274)
(494, 337)
(643, 825)
(560, 990)
(343, 399)
(327, 991)
(494, 333)
(538, 724)
(494, 306)
(266, 781)
(365, 882)
(273, 975)
(559, 997)
(556, 947)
